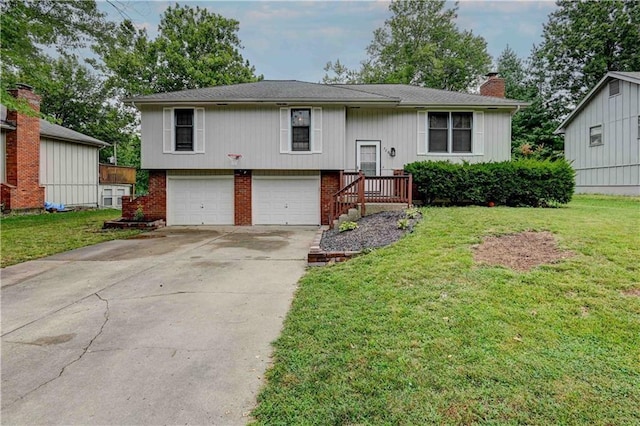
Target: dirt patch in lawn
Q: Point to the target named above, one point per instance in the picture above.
(520, 252)
(632, 292)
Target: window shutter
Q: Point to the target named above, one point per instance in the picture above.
(478, 132)
(422, 133)
(167, 133)
(284, 130)
(198, 115)
(316, 120)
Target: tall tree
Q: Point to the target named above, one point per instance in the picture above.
(581, 42)
(420, 44)
(28, 27)
(531, 129)
(194, 48)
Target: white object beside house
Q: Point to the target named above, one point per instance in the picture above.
(291, 139)
(602, 136)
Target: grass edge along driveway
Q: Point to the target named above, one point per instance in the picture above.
(417, 333)
(29, 237)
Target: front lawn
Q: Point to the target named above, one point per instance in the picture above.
(418, 333)
(28, 237)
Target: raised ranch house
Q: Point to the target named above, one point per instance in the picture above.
(279, 152)
(41, 161)
(602, 136)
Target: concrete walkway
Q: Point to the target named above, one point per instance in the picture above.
(174, 327)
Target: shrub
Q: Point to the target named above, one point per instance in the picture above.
(347, 226)
(513, 183)
(403, 223)
(412, 213)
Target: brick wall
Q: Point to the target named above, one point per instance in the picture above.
(23, 190)
(154, 205)
(494, 86)
(242, 197)
(329, 185)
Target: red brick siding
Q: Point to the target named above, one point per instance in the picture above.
(23, 157)
(154, 204)
(329, 185)
(242, 198)
(493, 87)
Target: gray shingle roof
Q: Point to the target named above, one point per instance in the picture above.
(58, 132)
(265, 91)
(423, 96)
(291, 91)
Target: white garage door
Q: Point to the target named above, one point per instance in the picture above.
(290, 200)
(204, 201)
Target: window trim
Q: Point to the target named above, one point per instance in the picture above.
(315, 130)
(169, 133)
(310, 127)
(601, 135)
(450, 151)
(176, 126)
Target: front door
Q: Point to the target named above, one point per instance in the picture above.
(368, 157)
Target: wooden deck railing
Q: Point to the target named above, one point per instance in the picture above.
(349, 197)
(358, 189)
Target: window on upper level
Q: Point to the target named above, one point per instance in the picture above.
(301, 130)
(450, 132)
(614, 87)
(595, 135)
(183, 130)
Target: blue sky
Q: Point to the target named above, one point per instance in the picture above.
(295, 39)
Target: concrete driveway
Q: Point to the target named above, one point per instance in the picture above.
(173, 327)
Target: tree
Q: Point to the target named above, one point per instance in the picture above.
(421, 45)
(531, 129)
(581, 42)
(27, 27)
(342, 74)
(194, 48)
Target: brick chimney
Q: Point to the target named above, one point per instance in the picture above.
(493, 86)
(22, 190)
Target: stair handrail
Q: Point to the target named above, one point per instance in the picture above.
(340, 207)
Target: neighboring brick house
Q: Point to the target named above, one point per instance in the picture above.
(40, 161)
(276, 152)
(602, 136)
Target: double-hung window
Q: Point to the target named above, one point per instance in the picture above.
(183, 130)
(301, 130)
(595, 135)
(450, 132)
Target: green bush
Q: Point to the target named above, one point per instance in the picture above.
(512, 183)
(347, 226)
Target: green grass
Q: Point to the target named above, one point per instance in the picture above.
(417, 333)
(28, 237)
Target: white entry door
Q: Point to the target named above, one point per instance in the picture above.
(200, 201)
(368, 157)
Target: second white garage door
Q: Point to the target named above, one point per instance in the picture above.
(290, 200)
(200, 201)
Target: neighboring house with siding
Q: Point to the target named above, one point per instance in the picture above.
(272, 152)
(602, 136)
(41, 161)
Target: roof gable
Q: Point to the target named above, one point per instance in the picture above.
(632, 77)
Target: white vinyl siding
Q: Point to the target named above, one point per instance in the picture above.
(399, 129)
(315, 131)
(69, 173)
(612, 167)
(253, 132)
(169, 126)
